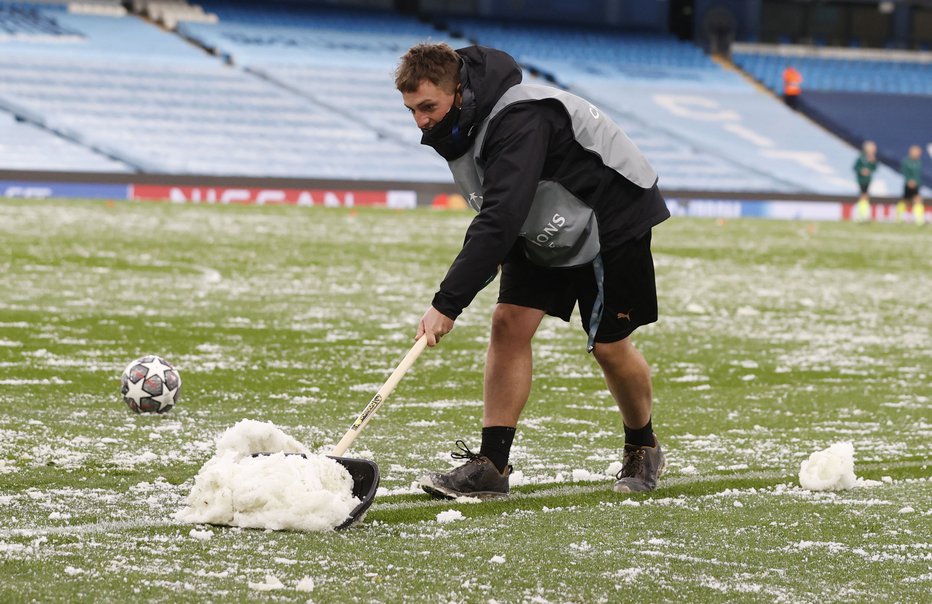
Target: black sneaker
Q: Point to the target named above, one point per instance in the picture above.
(478, 478)
(640, 469)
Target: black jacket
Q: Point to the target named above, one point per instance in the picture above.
(524, 144)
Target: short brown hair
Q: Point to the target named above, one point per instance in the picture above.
(435, 62)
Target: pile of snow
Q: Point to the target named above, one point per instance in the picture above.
(277, 491)
(831, 469)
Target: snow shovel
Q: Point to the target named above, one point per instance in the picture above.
(364, 472)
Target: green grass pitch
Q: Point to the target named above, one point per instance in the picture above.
(776, 339)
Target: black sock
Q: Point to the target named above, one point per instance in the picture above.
(496, 444)
(642, 437)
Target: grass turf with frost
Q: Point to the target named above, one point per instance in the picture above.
(776, 339)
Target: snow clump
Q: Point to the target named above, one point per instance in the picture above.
(831, 469)
(275, 491)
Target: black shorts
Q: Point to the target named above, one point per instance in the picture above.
(629, 285)
(910, 192)
(864, 186)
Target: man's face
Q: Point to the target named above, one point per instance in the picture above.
(428, 104)
(915, 152)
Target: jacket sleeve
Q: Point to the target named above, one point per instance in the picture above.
(514, 153)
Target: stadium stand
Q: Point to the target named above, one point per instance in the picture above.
(341, 59)
(839, 70)
(278, 89)
(561, 51)
(703, 126)
(161, 105)
(345, 59)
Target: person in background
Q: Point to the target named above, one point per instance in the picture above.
(864, 169)
(792, 86)
(911, 169)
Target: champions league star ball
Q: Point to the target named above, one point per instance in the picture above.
(150, 385)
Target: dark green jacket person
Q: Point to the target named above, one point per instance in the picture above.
(911, 169)
(864, 168)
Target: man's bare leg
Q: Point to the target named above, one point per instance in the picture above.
(507, 387)
(627, 376)
(509, 364)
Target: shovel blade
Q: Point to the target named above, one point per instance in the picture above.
(365, 476)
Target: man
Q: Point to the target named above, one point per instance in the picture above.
(565, 205)
(864, 168)
(911, 169)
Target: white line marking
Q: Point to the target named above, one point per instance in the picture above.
(516, 496)
(579, 489)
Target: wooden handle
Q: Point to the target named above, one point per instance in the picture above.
(379, 398)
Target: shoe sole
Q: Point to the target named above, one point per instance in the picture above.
(444, 493)
(660, 470)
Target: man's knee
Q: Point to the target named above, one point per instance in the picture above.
(614, 353)
(514, 324)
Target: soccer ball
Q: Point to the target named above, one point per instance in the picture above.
(150, 385)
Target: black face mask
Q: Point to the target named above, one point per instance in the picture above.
(447, 138)
(453, 136)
